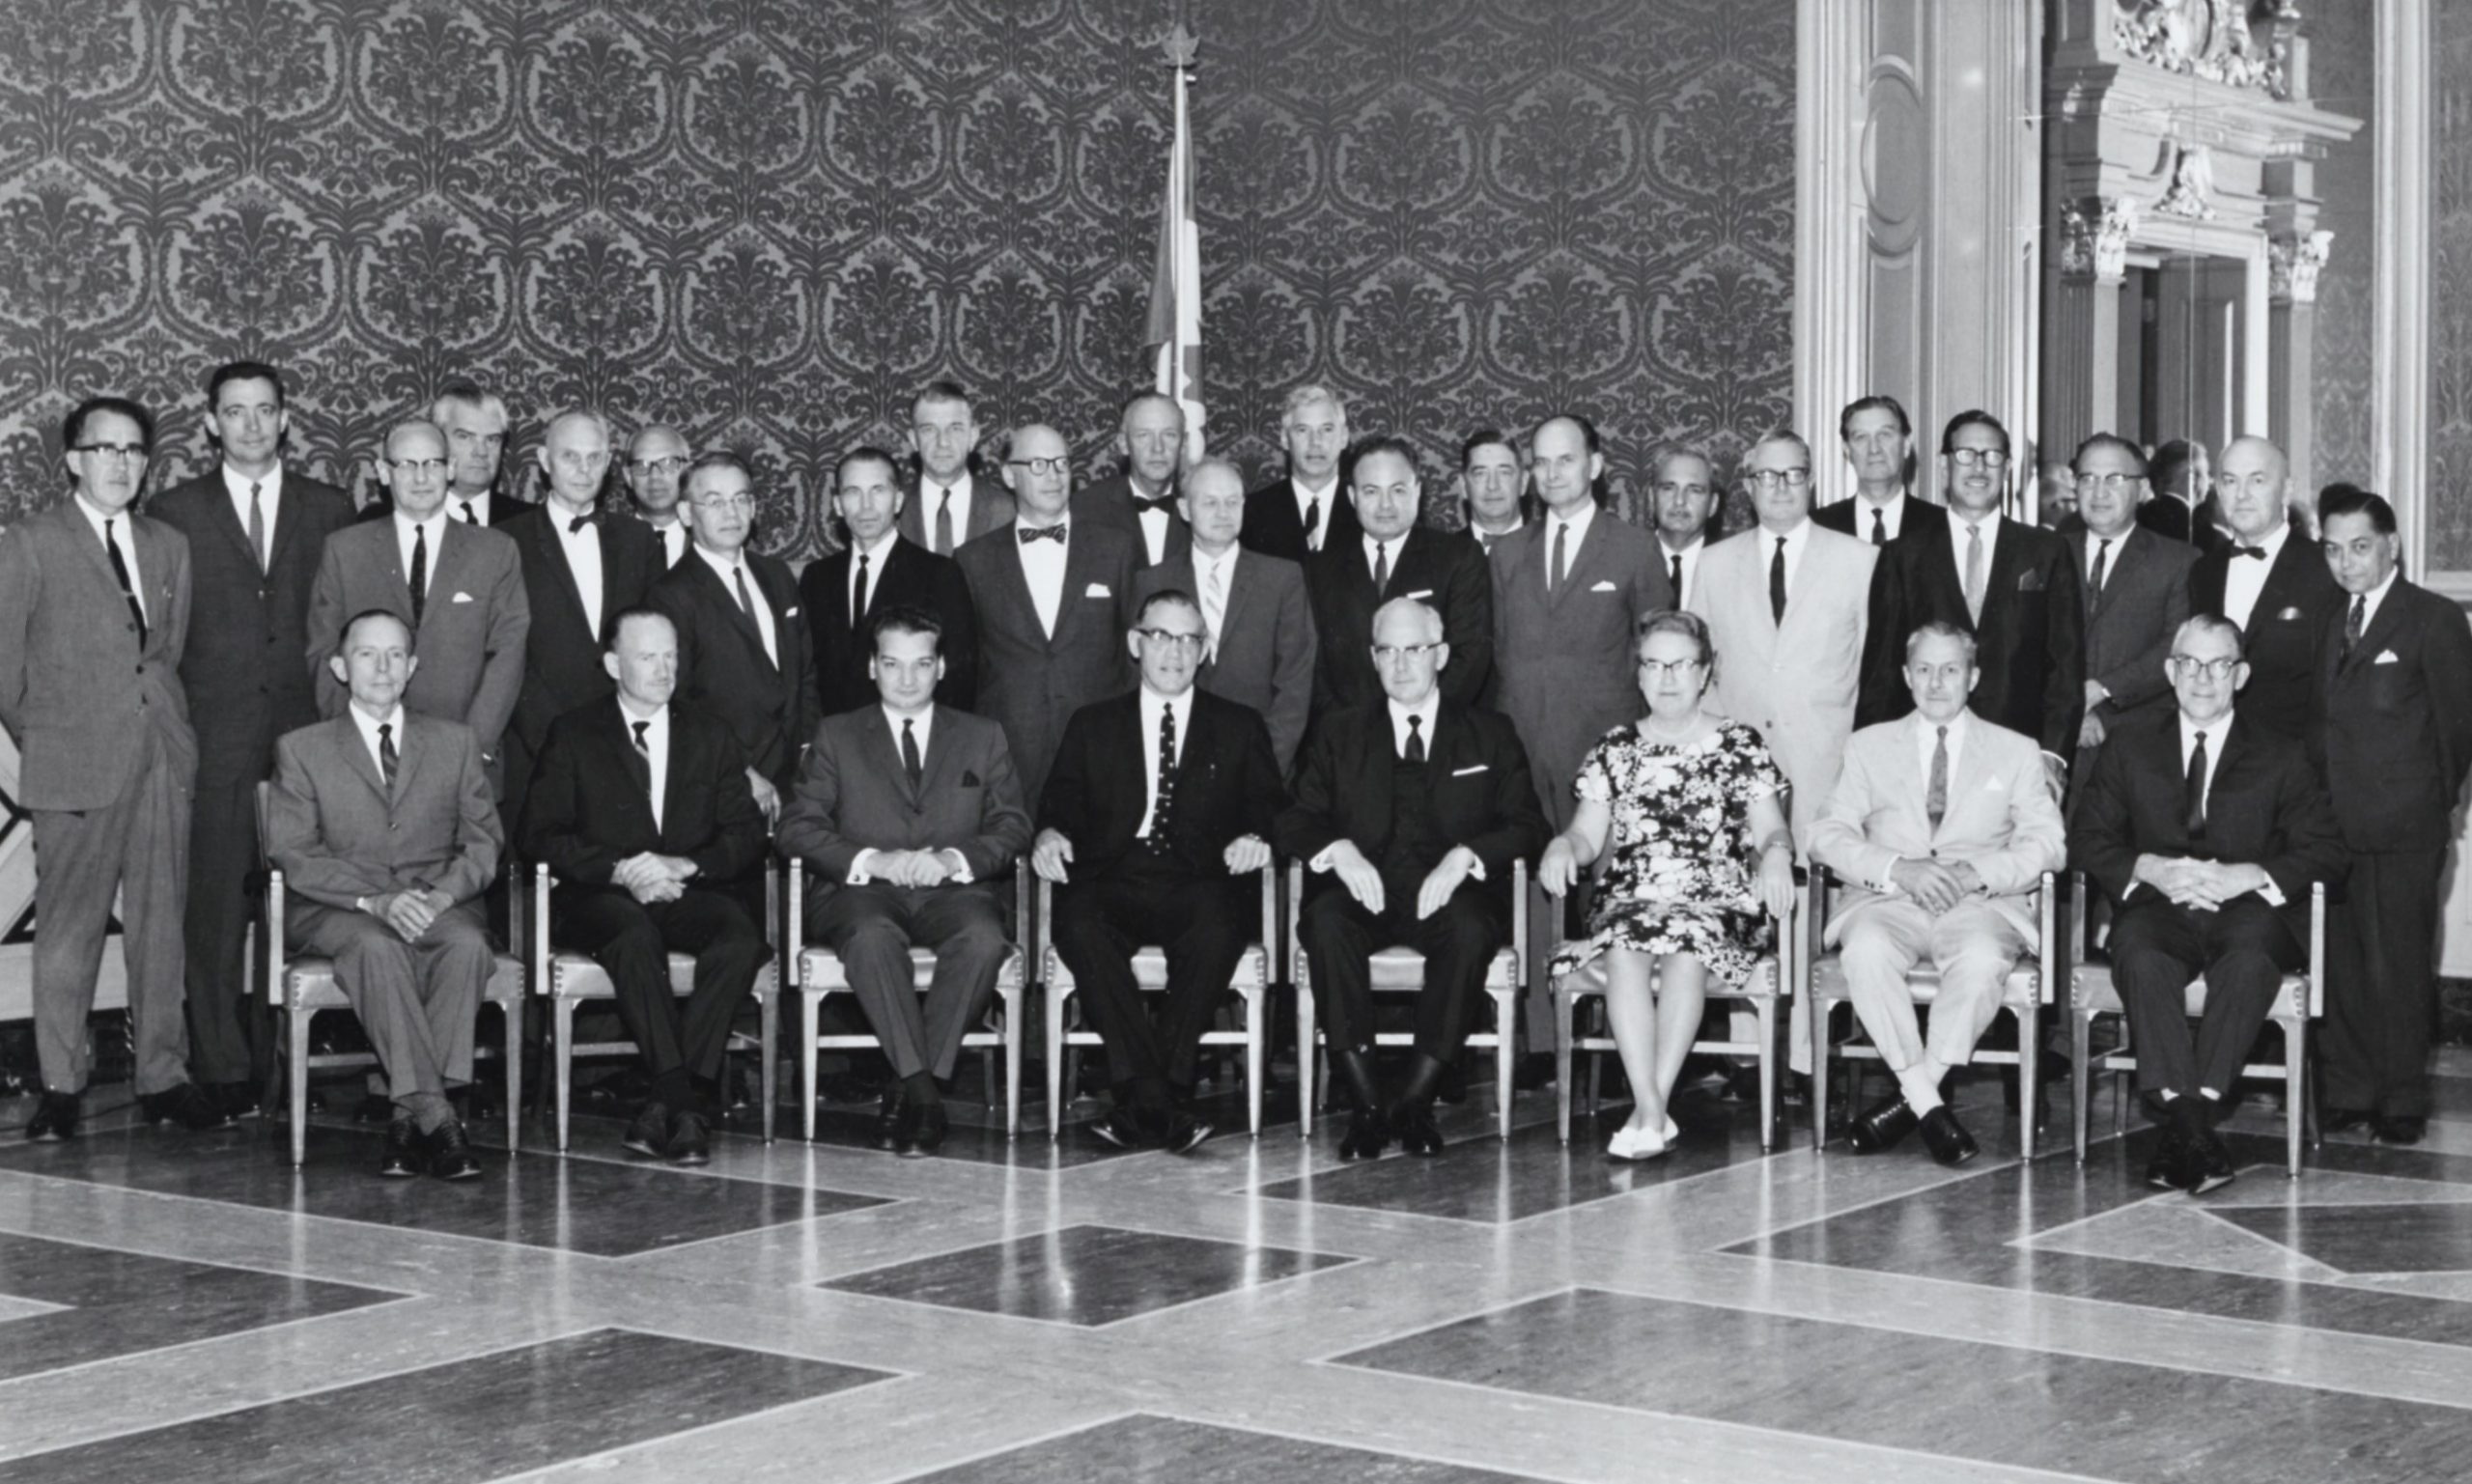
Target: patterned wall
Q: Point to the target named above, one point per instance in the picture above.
(2343, 78)
(771, 221)
(2451, 294)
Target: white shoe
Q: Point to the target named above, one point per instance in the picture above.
(1630, 1145)
(1673, 1131)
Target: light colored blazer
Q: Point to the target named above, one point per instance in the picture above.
(474, 627)
(338, 832)
(1796, 683)
(2000, 816)
(1267, 651)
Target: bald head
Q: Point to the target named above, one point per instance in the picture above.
(1213, 500)
(575, 454)
(2253, 476)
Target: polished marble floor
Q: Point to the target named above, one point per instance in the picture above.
(186, 1307)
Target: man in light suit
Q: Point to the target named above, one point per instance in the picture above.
(93, 618)
(1683, 484)
(2269, 580)
(908, 815)
(657, 461)
(950, 506)
(1053, 597)
(1390, 554)
(381, 823)
(1878, 440)
(2137, 592)
(1941, 826)
(1308, 510)
(256, 529)
(876, 571)
(458, 585)
(1144, 499)
(1261, 647)
(1491, 485)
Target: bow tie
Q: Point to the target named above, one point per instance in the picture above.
(589, 518)
(1143, 507)
(2259, 553)
(1031, 533)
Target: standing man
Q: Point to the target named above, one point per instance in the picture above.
(1260, 648)
(1150, 438)
(1391, 555)
(2268, 580)
(255, 530)
(2393, 734)
(1489, 483)
(93, 618)
(2137, 591)
(474, 424)
(1053, 597)
(950, 506)
(1682, 491)
(657, 461)
(1307, 512)
(1880, 448)
(876, 571)
(2185, 507)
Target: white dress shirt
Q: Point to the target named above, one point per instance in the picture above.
(853, 601)
(1891, 515)
(1155, 520)
(1927, 740)
(673, 539)
(369, 725)
(269, 495)
(472, 506)
(862, 866)
(434, 528)
(2375, 596)
(1426, 709)
(2246, 578)
(119, 537)
(655, 746)
(1043, 569)
(1958, 528)
(1316, 525)
(728, 567)
(2109, 548)
(933, 496)
(582, 548)
(1797, 541)
(1380, 554)
(1224, 568)
(1577, 524)
(1153, 706)
(1690, 555)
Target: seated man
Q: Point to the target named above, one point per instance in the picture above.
(907, 812)
(1942, 826)
(382, 825)
(1159, 801)
(644, 814)
(1418, 807)
(2206, 832)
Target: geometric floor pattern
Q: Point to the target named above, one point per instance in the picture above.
(175, 1307)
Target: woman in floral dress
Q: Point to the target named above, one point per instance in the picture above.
(1667, 804)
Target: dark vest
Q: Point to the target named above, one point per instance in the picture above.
(1416, 845)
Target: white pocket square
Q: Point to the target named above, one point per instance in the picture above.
(1098, 590)
(2385, 657)
(792, 613)
(1422, 591)
(1602, 587)
(1473, 768)
(463, 598)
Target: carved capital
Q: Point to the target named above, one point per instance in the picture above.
(2292, 263)
(2094, 234)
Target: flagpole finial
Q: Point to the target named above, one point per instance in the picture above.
(1180, 45)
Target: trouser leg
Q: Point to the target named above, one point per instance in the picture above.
(868, 929)
(967, 929)
(223, 1017)
(1881, 941)
(2156, 950)
(1458, 942)
(1975, 946)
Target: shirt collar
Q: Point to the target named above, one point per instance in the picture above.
(1578, 521)
(883, 543)
(369, 724)
(1793, 539)
(269, 487)
(1959, 524)
(2271, 544)
(722, 564)
(2216, 731)
(2377, 595)
(659, 718)
(1928, 730)
(919, 725)
(405, 524)
(1303, 493)
(960, 488)
(96, 518)
(1430, 709)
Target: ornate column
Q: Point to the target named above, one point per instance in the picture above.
(1832, 146)
(2292, 262)
(2080, 349)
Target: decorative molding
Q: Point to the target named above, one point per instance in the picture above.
(2210, 39)
(2191, 192)
(2096, 246)
(2292, 262)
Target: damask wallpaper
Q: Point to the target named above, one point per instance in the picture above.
(771, 221)
(2343, 78)
(2450, 473)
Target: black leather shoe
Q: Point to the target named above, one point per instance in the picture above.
(649, 1134)
(238, 1099)
(187, 1105)
(2209, 1166)
(2343, 1120)
(1882, 1127)
(922, 1131)
(1185, 1132)
(888, 1117)
(2402, 1128)
(690, 1140)
(55, 1119)
(1454, 1088)
(402, 1158)
(1119, 1127)
(1417, 1135)
(1534, 1070)
(450, 1153)
(1367, 1137)
(1946, 1138)
(2169, 1169)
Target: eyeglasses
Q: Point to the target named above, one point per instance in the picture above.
(1190, 643)
(1696, 491)
(1056, 466)
(421, 468)
(2217, 669)
(1658, 669)
(577, 459)
(1969, 458)
(1392, 653)
(670, 466)
(1770, 479)
(739, 501)
(123, 452)
(2116, 484)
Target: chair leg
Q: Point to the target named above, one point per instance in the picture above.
(810, 1025)
(769, 1016)
(562, 1045)
(1766, 1011)
(1257, 1047)
(1819, 1073)
(1305, 1051)
(1505, 1033)
(2296, 1108)
(1055, 1018)
(2030, 1066)
(1562, 1011)
(1013, 1014)
(513, 1013)
(2081, 1027)
(300, 1019)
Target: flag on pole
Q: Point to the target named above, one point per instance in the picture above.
(1174, 334)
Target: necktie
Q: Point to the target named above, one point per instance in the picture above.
(2095, 579)
(913, 764)
(1777, 582)
(858, 599)
(1314, 523)
(1561, 572)
(640, 761)
(1415, 739)
(1031, 533)
(386, 755)
(127, 588)
(1165, 807)
(746, 599)
(1879, 527)
(1673, 570)
(2259, 553)
(470, 516)
(1381, 565)
(944, 524)
(258, 526)
(2353, 620)
(1935, 803)
(2193, 810)
(420, 573)
(1214, 604)
(1973, 572)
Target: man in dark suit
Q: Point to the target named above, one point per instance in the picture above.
(1682, 488)
(642, 812)
(2012, 585)
(1261, 650)
(583, 565)
(1412, 811)
(741, 641)
(657, 461)
(1491, 481)
(951, 505)
(1307, 511)
(93, 618)
(381, 823)
(1054, 597)
(2270, 581)
(907, 816)
(474, 424)
(255, 530)
(1142, 501)
(1161, 802)
(2185, 506)
(1880, 448)
(2206, 832)
(1391, 555)
(2393, 737)
(877, 570)
(2137, 591)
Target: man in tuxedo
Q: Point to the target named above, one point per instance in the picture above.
(2137, 591)
(2392, 734)
(582, 566)
(1682, 494)
(908, 815)
(1307, 512)
(741, 641)
(1260, 647)
(2185, 506)
(643, 814)
(255, 530)
(2206, 832)
(1941, 827)
(1150, 438)
(1879, 449)
(1161, 803)
(1490, 481)
(1410, 812)
(657, 461)
(381, 823)
(950, 507)
(1054, 597)
(877, 570)
(2013, 586)
(1392, 555)
(457, 585)
(2270, 581)
(94, 622)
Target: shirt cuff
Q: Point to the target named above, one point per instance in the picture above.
(960, 865)
(2271, 893)
(1475, 864)
(1320, 864)
(863, 868)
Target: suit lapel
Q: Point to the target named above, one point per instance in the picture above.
(545, 540)
(2381, 627)
(1585, 561)
(935, 769)
(356, 756)
(1243, 586)
(224, 518)
(719, 590)
(1079, 565)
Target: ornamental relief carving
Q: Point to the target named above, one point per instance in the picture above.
(2292, 263)
(2235, 42)
(2096, 245)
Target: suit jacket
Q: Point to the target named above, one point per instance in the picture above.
(586, 811)
(2000, 816)
(852, 795)
(1851, 517)
(78, 687)
(723, 669)
(1274, 528)
(2392, 733)
(562, 666)
(1564, 658)
(1266, 648)
(337, 831)
(912, 577)
(2264, 807)
(1796, 683)
(2031, 637)
(2166, 516)
(1109, 502)
(1438, 568)
(473, 627)
(1482, 795)
(991, 509)
(1228, 784)
(2130, 620)
(1029, 682)
(2282, 632)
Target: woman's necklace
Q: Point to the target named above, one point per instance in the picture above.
(1663, 734)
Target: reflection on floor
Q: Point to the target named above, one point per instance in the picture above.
(189, 1306)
